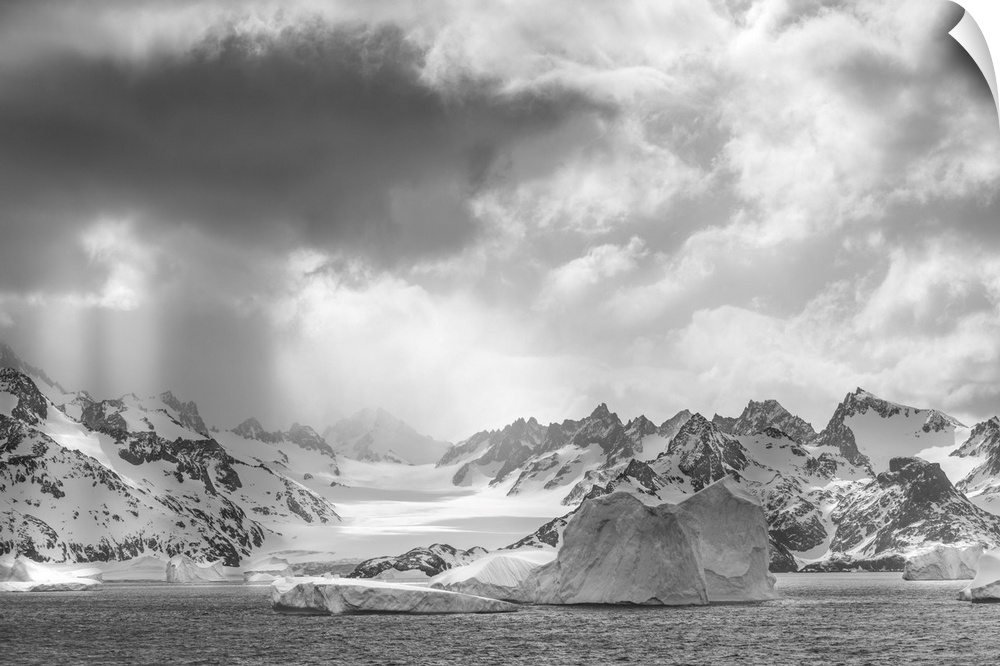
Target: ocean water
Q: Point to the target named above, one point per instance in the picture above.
(820, 619)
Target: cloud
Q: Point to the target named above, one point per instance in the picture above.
(573, 279)
(467, 212)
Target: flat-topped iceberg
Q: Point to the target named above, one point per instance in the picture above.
(144, 568)
(267, 570)
(985, 587)
(497, 575)
(182, 569)
(943, 563)
(24, 575)
(360, 595)
(732, 539)
(618, 550)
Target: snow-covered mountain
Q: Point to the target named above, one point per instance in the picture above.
(94, 480)
(418, 562)
(870, 431)
(901, 510)
(808, 482)
(758, 416)
(982, 484)
(375, 435)
(86, 479)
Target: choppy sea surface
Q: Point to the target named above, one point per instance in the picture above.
(820, 619)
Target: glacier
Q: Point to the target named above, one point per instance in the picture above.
(943, 563)
(322, 596)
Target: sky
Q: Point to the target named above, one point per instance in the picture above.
(468, 212)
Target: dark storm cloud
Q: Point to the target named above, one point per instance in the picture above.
(322, 131)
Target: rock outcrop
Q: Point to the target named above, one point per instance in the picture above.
(943, 563)
(340, 595)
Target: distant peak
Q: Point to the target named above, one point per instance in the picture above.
(601, 410)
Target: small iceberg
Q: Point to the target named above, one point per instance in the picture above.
(497, 575)
(943, 563)
(182, 569)
(141, 568)
(24, 575)
(985, 587)
(323, 596)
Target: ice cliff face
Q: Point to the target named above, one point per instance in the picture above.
(943, 563)
(985, 587)
(713, 546)
(23, 575)
(618, 550)
(339, 596)
(731, 533)
(182, 569)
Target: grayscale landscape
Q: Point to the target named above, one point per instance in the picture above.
(525, 333)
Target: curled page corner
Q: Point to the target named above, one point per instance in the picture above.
(978, 30)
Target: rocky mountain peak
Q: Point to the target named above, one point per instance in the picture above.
(31, 404)
(640, 427)
(759, 416)
(8, 359)
(602, 412)
(926, 481)
(252, 429)
(305, 437)
(705, 453)
(186, 412)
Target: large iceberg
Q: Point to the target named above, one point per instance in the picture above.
(497, 575)
(618, 550)
(985, 587)
(943, 563)
(182, 569)
(732, 539)
(350, 595)
(144, 568)
(24, 575)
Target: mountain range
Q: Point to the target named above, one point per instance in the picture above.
(83, 479)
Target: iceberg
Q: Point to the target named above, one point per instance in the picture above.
(617, 550)
(732, 540)
(267, 570)
(985, 587)
(322, 596)
(24, 575)
(144, 567)
(182, 569)
(497, 575)
(943, 563)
